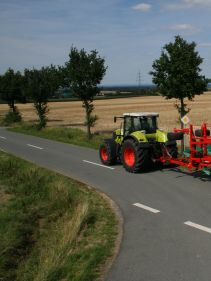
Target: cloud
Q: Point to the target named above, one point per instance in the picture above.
(187, 4)
(142, 7)
(198, 2)
(184, 27)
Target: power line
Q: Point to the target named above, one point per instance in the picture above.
(138, 79)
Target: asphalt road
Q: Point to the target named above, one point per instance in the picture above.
(167, 233)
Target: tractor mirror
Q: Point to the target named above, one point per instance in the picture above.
(114, 119)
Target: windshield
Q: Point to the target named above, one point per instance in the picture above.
(140, 123)
(147, 124)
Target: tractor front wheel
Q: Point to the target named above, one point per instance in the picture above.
(134, 157)
(107, 152)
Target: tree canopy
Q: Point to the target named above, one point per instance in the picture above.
(84, 73)
(12, 91)
(177, 72)
(40, 86)
(11, 88)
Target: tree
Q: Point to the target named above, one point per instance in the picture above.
(177, 73)
(84, 73)
(40, 86)
(12, 91)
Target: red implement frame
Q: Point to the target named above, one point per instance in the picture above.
(199, 158)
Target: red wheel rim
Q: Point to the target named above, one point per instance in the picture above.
(129, 156)
(104, 154)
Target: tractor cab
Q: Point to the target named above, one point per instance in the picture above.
(145, 122)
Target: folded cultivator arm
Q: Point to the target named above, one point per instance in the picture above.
(198, 155)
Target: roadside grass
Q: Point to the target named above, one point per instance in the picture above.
(51, 227)
(67, 135)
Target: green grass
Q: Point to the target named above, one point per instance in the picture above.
(67, 135)
(51, 227)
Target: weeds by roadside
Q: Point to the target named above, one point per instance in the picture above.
(51, 227)
(67, 135)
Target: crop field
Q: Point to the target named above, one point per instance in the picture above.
(71, 114)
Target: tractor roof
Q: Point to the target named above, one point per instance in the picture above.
(141, 114)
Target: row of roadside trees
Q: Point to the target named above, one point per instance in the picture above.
(33, 85)
(83, 72)
(176, 73)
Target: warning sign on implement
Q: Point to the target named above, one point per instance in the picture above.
(185, 120)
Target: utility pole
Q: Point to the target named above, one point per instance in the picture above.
(138, 79)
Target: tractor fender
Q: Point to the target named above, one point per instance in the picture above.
(139, 136)
(118, 136)
(141, 144)
(161, 136)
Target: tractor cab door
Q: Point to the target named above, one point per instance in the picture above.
(127, 125)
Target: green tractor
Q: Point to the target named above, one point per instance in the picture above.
(138, 143)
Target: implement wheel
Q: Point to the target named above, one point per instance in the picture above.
(107, 152)
(199, 133)
(134, 157)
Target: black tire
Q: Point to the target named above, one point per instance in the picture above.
(173, 150)
(175, 136)
(140, 159)
(107, 152)
(199, 133)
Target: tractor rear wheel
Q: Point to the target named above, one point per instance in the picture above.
(134, 157)
(107, 151)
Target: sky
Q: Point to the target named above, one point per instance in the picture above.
(129, 34)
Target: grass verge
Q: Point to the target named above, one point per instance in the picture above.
(67, 135)
(51, 227)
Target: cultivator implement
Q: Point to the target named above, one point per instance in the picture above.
(197, 156)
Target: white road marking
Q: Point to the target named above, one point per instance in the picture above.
(3, 138)
(198, 226)
(34, 146)
(146, 208)
(93, 163)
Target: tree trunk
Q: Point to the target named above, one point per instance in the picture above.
(41, 109)
(89, 135)
(88, 113)
(12, 106)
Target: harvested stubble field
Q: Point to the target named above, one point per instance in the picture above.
(72, 114)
